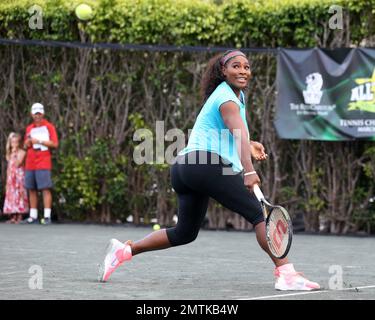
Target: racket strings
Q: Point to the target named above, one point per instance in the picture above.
(278, 231)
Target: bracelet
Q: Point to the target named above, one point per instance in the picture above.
(249, 173)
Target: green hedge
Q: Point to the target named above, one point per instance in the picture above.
(189, 22)
(95, 178)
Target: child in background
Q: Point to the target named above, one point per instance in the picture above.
(16, 201)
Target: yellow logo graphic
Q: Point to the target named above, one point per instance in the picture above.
(363, 96)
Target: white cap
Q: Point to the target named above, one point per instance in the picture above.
(37, 108)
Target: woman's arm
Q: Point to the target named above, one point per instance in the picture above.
(231, 116)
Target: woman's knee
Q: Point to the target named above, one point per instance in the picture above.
(178, 237)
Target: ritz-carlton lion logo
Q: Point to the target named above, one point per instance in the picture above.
(313, 94)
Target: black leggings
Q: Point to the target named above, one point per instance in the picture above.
(196, 183)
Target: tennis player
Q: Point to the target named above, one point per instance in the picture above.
(216, 163)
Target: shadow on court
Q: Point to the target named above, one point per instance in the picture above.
(61, 261)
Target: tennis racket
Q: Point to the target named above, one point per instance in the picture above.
(279, 229)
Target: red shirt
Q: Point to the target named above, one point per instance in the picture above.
(37, 159)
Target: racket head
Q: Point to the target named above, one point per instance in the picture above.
(279, 231)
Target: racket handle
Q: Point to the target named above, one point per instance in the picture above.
(258, 193)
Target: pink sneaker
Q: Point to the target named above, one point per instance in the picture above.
(288, 279)
(116, 253)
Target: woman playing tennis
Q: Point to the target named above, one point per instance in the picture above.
(216, 163)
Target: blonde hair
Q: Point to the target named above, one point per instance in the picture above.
(8, 148)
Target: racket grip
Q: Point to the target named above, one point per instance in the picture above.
(258, 193)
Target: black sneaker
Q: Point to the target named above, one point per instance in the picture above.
(46, 221)
(29, 221)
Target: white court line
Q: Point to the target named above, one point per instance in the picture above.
(304, 293)
(38, 250)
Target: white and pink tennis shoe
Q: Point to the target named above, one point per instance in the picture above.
(116, 253)
(288, 279)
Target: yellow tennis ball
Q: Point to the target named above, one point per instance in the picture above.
(84, 11)
(156, 227)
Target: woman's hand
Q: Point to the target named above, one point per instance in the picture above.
(257, 151)
(250, 181)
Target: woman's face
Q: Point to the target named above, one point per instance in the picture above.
(237, 72)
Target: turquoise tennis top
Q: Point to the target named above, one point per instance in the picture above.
(210, 133)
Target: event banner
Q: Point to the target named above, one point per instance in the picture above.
(326, 94)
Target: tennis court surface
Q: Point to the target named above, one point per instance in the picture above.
(60, 261)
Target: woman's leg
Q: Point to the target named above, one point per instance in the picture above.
(191, 211)
(156, 240)
(260, 230)
(192, 208)
(230, 191)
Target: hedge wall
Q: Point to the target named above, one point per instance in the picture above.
(243, 23)
(98, 98)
